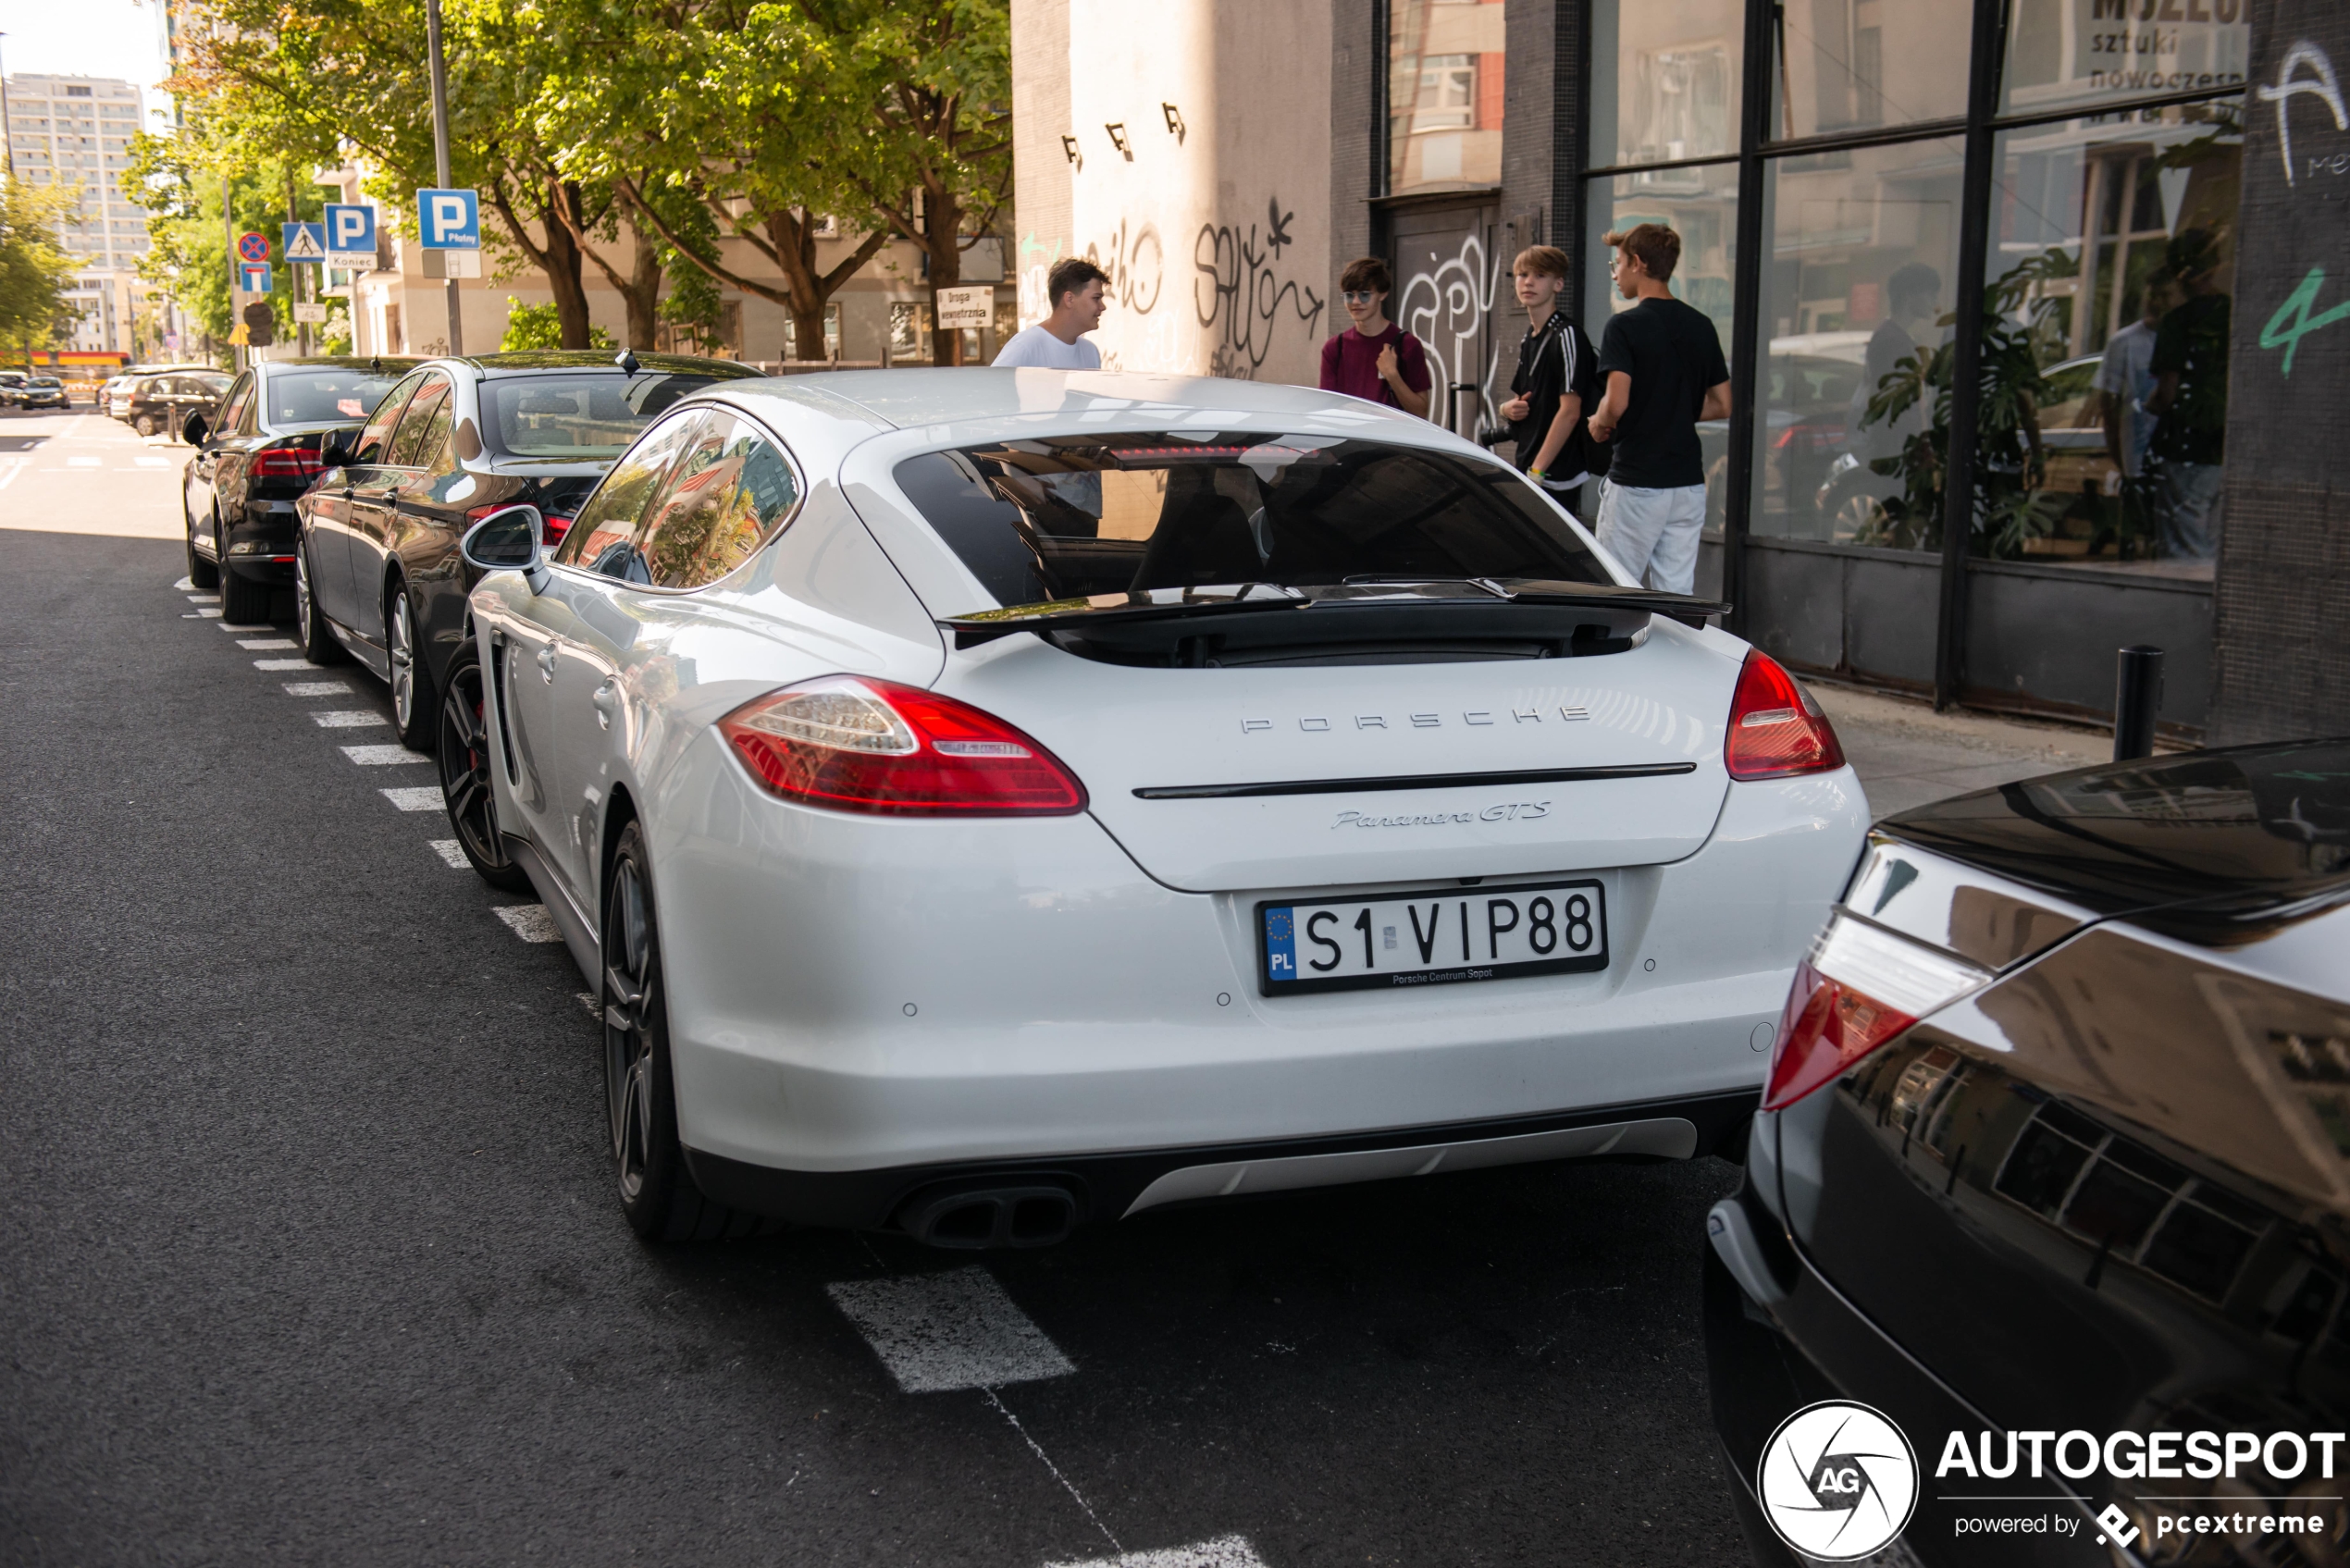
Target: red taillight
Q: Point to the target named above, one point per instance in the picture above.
(854, 744)
(285, 463)
(556, 529)
(1777, 731)
(1861, 986)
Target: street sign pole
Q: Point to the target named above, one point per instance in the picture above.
(440, 153)
(229, 234)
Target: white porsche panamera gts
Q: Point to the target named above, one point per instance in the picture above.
(990, 801)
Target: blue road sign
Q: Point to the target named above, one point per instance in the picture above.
(305, 243)
(255, 278)
(253, 247)
(451, 220)
(351, 231)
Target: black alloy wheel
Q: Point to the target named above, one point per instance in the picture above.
(658, 1196)
(412, 704)
(319, 643)
(464, 755)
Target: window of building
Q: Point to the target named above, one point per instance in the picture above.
(1672, 90)
(1837, 73)
(2063, 54)
(1443, 95)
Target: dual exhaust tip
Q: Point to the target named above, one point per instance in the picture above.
(1028, 1214)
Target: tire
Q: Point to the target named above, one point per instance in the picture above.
(145, 424)
(243, 603)
(658, 1196)
(201, 573)
(413, 708)
(465, 752)
(318, 642)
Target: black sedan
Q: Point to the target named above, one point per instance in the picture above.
(255, 455)
(40, 391)
(155, 404)
(379, 574)
(2043, 1253)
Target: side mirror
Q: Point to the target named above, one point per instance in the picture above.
(194, 428)
(335, 451)
(509, 539)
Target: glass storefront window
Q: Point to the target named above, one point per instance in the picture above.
(1673, 92)
(1701, 206)
(1444, 95)
(2061, 53)
(2111, 265)
(1856, 303)
(1850, 64)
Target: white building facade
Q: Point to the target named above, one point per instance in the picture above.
(76, 131)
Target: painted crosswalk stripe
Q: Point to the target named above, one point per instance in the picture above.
(258, 645)
(381, 755)
(452, 853)
(85, 462)
(313, 689)
(954, 1330)
(146, 462)
(281, 663)
(348, 718)
(529, 921)
(1224, 1551)
(426, 799)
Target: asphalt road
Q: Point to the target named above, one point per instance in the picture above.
(307, 1254)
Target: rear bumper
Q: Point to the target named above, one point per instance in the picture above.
(862, 998)
(1114, 1186)
(1767, 1363)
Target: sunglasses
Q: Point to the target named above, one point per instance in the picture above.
(1361, 296)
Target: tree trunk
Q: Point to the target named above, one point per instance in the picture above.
(562, 266)
(941, 236)
(641, 292)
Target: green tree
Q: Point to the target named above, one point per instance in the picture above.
(540, 326)
(34, 270)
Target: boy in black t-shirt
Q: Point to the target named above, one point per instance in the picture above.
(1557, 379)
(1663, 364)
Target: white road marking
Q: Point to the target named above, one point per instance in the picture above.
(204, 599)
(208, 615)
(312, 688)
(529, 921)
(381, 755)
(84, 462)
(452, 853)
(348, 718)
(258, 645)
(427, 799)
(1224, 1551)
(10, 478)
(596, 1010)
(146, 462)
(281, 663)
(1046, 1460)
(954, 1330)
(184, 584)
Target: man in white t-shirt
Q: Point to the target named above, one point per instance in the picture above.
(1074, 290)
(2125, 376)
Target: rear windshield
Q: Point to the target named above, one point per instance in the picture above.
(1057, 517)
(322, 397)
(585, 414)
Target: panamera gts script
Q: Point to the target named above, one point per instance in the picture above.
(1508, 811)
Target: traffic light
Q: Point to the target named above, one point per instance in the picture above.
(260, 324)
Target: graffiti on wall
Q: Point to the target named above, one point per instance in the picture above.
(1135, 261)
(1445, 303)
(1240, 297)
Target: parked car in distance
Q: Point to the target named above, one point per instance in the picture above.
(255, 455)
(379, 573)
(114, 391)
(40, 391)
(2056, 1139)
(156, 404)
(1370, 823)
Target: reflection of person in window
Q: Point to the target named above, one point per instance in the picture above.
(2124, 382)
(1912, 295)
(2190, 397)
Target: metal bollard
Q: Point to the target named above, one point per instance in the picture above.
(2138, 693)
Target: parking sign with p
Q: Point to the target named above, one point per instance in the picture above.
(450, 220)
(351, 231)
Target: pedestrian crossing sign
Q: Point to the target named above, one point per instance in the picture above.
(305, 242)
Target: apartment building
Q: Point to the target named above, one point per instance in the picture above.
(76, 131)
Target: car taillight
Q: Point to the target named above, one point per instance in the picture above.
(553, 529)
(1861, 986)
(285, 463)
(1777, 731)
(859, 744)
(556, 529)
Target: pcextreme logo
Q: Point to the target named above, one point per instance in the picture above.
(1838, 1481)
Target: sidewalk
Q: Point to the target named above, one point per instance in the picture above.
(1907, 754)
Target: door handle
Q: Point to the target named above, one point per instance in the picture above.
(546, 665)
(607, 701)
